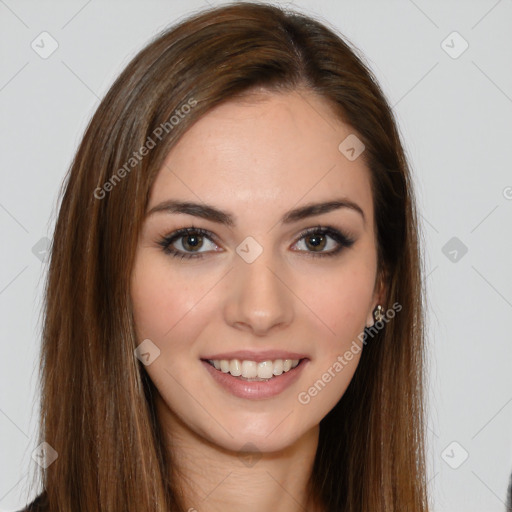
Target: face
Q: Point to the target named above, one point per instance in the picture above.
(250, 281)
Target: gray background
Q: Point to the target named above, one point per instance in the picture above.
(454, 116)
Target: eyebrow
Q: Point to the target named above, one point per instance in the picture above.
(213, 214)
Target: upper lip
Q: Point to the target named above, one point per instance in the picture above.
(258, 357)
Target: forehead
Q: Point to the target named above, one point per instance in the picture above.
(264, 153)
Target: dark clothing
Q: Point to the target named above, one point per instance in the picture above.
(38, 505)
(509, 495)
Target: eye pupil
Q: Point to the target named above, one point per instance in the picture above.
(196, 241)
(318, 241)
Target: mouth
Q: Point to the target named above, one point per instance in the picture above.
(255, 380)
(252, 371)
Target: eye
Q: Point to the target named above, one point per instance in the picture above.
(315, 240)
(187, 242)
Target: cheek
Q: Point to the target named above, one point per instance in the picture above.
(152, 308)
(162, 299)
(341, 304)
(340, 301)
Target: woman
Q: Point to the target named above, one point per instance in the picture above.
(234, 306)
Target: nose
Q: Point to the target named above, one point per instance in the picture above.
(259, 299)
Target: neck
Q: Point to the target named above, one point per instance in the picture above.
(213, 479)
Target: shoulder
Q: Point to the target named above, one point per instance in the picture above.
(509, 495)
(38, 505)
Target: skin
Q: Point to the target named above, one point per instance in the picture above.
(257, 159)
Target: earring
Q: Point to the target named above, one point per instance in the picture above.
(377, 313)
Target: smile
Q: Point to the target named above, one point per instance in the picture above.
(252, 370)
(277, 376)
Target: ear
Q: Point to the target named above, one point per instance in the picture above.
(379, 294)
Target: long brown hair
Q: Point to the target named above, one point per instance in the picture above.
(96, 398)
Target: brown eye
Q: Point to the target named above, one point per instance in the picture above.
(323, 241)
(192, 242)
(188, 243)
(316, 242)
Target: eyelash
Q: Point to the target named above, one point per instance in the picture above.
(342, 239)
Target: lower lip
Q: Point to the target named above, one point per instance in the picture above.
(256, 390)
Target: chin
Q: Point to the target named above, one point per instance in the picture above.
(262, 434)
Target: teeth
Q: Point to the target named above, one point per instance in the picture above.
(235, 368)
(265, 370)
(278, 367)
(254, 370)
(249, 369)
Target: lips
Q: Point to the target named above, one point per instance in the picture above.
(255, 389)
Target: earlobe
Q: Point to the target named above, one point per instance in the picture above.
(369, 319)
